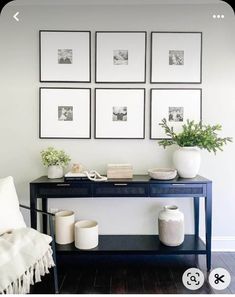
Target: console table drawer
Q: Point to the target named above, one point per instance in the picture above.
(172, 190)
(66, 190)
(120, 189)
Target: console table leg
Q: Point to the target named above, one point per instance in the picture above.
(208, 217)
(52, 234)
(196, 216)
(44, 219)
(33, 204)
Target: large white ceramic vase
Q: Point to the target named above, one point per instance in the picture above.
(187, 161)
(171, 226)
(55, 171)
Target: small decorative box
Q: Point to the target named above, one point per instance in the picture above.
(119, 171)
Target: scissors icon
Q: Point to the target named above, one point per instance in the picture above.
(218, 279)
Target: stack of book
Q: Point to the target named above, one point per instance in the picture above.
(119, 171)
(71, 176)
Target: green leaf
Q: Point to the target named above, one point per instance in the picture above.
(195, 134)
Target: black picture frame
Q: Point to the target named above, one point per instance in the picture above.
(40, 57)
(171, 89)
(40, 112)
(151, 57)
(95, 112)
(120, 81)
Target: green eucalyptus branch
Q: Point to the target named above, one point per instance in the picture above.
(195, 134)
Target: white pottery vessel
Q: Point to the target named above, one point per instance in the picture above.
(162, 173)
(55, 171)
(171, 226)
(86, 234)
(187, 161)
(64, 227)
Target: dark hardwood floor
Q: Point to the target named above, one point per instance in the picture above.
(133, 275)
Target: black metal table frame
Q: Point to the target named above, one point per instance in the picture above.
(43, 189)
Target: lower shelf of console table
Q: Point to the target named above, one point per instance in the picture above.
(140, 186)
(137, 244)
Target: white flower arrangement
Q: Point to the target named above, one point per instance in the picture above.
(53, 157)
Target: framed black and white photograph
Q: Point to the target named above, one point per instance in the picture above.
(121, 57)
(120, 113)
(65, 56)
(176, 57)
(176, 106)
(65, 113)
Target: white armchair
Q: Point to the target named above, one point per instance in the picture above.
(25, 254)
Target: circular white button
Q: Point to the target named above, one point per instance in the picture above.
(193, 279)
(219, 278)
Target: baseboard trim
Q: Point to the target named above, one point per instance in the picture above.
(222, 243)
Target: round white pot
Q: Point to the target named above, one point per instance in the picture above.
(187, 161)
(86, 234)
(55, 171)
(171, 226)
(64, 227)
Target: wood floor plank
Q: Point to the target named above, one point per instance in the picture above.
(103, 280)
(134, 281)
(118, 281)
(43, 287)
(149, 281)
(162, 277)
(86, 282)
(229, 260)
(165, 281)
(46, 286)
(70, 282)
(177, 272)
(218, 262)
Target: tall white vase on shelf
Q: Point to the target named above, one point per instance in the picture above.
(171, 226)
(64, 227)
(187, 161)
(55, 171)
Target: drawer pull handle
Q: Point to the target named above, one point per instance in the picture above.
(63, 185)
(120, 184)
(178, 185)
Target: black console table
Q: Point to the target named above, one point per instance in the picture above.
(139, 186)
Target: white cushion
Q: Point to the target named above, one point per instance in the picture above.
(10, 215)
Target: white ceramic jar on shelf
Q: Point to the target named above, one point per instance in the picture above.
(86, 234)
(187, 161)
(64, 227)
(171, 226)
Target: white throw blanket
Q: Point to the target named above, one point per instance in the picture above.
(25, 256)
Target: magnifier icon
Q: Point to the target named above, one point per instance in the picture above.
(193, 278)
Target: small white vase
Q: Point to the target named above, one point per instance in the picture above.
(187, 161)
(64, 227)
(171, 226)
(55, 171)
(86, 234)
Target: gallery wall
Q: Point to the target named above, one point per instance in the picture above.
(19, 108)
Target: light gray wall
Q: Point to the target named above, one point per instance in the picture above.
(19, 105)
